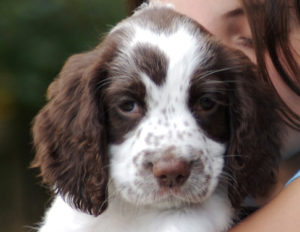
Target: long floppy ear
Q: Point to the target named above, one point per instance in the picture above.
(70, 135)
(254, 148)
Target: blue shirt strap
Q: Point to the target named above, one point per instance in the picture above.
(297, 175)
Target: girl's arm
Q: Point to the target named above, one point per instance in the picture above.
(280, 214)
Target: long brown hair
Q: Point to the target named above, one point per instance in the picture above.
(270, 26)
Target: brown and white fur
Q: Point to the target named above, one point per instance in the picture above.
(160, 128)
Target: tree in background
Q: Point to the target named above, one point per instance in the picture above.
(36, 37)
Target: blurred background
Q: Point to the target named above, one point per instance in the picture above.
(36, 37)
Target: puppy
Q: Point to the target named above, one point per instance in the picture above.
(158, 129)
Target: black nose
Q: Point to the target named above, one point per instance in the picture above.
(171, 172)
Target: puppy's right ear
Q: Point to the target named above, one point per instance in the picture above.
(70, 134)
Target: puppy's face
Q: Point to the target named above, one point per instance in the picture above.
(163, 111)
(167, 110)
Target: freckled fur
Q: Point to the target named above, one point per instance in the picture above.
(98, 159)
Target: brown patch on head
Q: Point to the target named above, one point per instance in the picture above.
(165, 20)
(122, 91)
(208, 103)
(159, 19)
(151, 61)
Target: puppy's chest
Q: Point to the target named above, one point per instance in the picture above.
(214, 215)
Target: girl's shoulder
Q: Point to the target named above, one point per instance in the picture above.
(297, 175)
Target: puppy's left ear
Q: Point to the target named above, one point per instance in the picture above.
(254, 148)
(70, 133)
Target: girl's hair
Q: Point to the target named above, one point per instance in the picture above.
(270, 26)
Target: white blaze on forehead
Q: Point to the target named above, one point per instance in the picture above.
(178, 46)
(184, 51)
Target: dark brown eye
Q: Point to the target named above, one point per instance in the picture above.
(206, 103)
(129, 106)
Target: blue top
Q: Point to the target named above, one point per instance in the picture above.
(297, 175)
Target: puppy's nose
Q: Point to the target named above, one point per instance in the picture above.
(171, 172)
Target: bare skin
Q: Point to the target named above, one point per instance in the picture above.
(280, 214)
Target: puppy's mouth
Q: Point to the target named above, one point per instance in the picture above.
(170, 192)
(177, 196)
(153, 195)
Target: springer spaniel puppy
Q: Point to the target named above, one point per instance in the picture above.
(158, 129)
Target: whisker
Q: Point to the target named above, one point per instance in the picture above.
(103, 83)
(228, 180)
(215, 81)
(211, 72)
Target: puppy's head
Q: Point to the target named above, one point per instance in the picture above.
(163, 110)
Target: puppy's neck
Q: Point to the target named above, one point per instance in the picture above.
(214, 214)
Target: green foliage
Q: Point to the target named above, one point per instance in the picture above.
(36, 36)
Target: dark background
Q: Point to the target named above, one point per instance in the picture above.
(36, 37)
